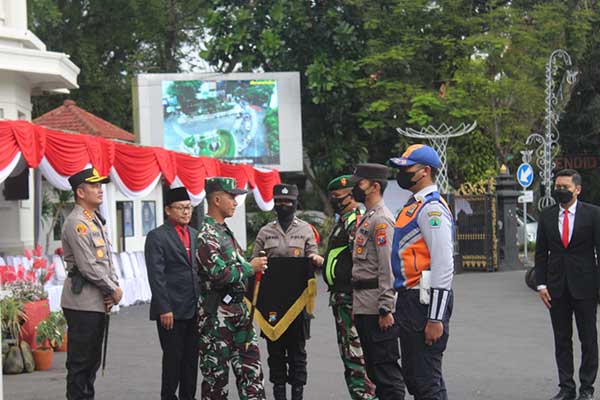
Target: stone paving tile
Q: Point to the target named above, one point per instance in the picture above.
(500, 348)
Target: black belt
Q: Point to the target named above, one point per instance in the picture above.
(233, 298)
(361, 284)
(214, 297)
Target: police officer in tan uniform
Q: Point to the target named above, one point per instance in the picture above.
(288, 236)
(374, 296)
(91, 287)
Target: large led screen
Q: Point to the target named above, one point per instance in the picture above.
(233, 120)
(252, 118)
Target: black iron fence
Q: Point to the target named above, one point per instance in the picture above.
(476, 236)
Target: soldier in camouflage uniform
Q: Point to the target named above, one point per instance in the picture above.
(337, 274)
(226, 333)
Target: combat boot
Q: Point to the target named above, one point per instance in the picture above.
(279, 392)
(297, 392)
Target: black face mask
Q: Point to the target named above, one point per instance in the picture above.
(336, 203)
(284, 213)
(563, 196)
(404, 179)
(359, 194)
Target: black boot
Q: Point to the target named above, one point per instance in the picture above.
(279, 392)
(297, 392)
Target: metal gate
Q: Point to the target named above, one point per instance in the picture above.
(476, 231)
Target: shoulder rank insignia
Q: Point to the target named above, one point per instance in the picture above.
(81, 229)
(88, 214)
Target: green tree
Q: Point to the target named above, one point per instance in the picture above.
(111, 40)
(320, 39)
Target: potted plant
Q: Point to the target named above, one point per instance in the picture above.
(59, 321)
(16, 355)
(46, 334)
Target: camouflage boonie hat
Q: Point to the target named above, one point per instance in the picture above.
(341, 182)
(222, 184)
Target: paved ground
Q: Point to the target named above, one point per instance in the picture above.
(500, 349)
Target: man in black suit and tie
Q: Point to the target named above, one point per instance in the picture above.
(173, 277)
(566, 271)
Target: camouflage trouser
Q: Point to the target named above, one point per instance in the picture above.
(359, 385)
(219, 346)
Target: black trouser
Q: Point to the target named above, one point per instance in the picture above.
(421, 364)
(180, 359)
(287, 355)
(85, 332)
(380, 349)
(561, 313)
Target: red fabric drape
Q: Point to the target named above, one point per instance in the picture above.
(8, 145)
(67, 153)
(137, 166)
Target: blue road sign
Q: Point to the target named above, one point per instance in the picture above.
(525, 175)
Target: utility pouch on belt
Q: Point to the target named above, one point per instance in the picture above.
(424, 287)
(361, 284)
(211, 303)
(77, 280)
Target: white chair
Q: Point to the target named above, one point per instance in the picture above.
(2, 262)
(54, 294)
(144, 269)
(141, 277)
(129, 274)
(11, 260)
(60, 273)
(127, 284)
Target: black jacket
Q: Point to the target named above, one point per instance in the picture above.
(172, 276)
(576, 266)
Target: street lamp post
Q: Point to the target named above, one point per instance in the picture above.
(548, 146)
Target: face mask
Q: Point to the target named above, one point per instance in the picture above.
(359, 194)
(404, 179)
(563, 196)
(284, 212)
(336, 203)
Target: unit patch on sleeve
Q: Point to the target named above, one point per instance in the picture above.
(435, 222)
(81, 229)
(381, 237)
(434, 214)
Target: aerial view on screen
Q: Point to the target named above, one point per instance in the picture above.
(231, 120)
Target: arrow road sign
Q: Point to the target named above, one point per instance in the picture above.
(525, 175)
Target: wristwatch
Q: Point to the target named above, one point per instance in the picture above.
(383, 312)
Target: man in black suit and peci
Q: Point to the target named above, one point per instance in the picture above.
(173, 276)
(566, 271)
